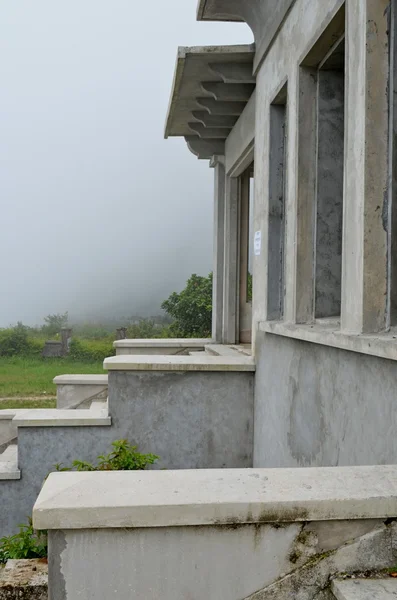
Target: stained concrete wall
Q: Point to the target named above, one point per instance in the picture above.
(320, 406)
(191, 420)
(250, 561)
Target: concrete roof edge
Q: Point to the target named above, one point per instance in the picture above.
(201, 14)
(182, 54)
(178, 73)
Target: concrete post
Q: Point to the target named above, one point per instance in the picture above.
(231, 270)
(66, 337)
(366, 196)
(218, 163)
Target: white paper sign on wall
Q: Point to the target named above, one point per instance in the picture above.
(257, 243)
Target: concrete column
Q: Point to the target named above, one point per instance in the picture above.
(231, 270)
(366, 197)
(218, 164)
(66, 338)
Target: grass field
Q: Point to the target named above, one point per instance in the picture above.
(31, 378)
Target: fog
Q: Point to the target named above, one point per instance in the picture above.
(100, 216)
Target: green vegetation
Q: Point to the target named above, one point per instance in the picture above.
(123, 457)
(27, 543)
(191, 309)
(24, 373)
(32, 377)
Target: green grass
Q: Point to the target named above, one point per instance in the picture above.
(32, 378)
(17, 403)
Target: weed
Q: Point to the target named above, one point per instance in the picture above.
(27, 543)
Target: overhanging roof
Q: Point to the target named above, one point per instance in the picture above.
(212, 85)
(215, 11)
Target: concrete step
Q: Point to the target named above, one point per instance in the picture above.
(202, 353)
(9, 463)
(365, 589)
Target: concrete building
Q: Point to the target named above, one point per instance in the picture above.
(300, 131)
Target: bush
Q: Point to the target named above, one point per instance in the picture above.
(13, 341)
(90, 350)
(28, 543)
(124, 457)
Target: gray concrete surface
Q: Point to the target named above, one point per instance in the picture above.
(321, 406)
(255, 562)
(330, 167)
(191, 420)
(365, 589)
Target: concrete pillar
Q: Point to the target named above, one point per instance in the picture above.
(366, 196)
(218, 164)
(66, 338)
(231, 270)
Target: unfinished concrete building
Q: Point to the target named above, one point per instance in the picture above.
(300, 131)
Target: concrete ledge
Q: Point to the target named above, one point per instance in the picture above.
(327, 333)
(225, 350)
(43, 417)
(163, 343)
(159, 346)
(179, 363)
(101, 380)
(9, 464)
(215, 497)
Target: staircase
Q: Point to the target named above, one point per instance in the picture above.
(365, 589)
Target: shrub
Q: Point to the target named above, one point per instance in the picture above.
(90, 350)
(124, 457)
(13, 341)
(27, 543)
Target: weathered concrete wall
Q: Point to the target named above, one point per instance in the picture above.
(233, 534)
(302, 27)
(320, 406)
(191, 420)
(252, 561)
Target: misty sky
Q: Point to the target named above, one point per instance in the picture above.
(99, 214)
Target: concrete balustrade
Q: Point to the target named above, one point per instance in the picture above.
(160, 346)
(79, 391)
(254, 534)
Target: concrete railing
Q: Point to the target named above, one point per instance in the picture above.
(164, 346)
(216, 535)
(79, 391)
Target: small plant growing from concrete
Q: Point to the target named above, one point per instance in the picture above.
(124, 457)
(27, 543)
